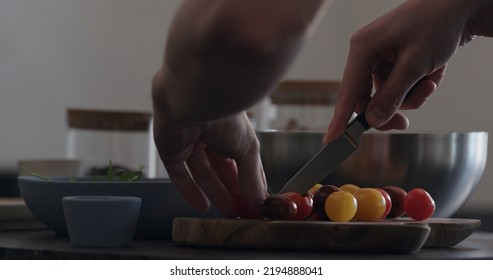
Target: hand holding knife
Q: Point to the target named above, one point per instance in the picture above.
(329, 157)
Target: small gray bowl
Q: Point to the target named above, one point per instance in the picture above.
(101, 221)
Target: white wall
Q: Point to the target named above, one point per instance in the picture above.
(56, 54)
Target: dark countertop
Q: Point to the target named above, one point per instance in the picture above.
(43, 244)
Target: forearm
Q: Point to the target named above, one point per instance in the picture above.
(481, 23)
(223, 56)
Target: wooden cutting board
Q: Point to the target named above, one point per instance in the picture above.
(14, 215)
(392, 236)
(446, 233)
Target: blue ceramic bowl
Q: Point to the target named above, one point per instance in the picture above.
(161, 202)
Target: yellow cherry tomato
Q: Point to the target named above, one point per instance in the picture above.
(340, 206)
(371, 204)
(314, 189)
(350, 188)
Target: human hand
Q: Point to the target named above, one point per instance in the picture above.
(212, 162)
(403, 55)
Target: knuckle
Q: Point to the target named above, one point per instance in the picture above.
(358, 37)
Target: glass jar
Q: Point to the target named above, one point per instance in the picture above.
(98, 137)
(303, 104)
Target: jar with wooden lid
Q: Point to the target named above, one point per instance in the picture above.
(303, 104)
(100, 137)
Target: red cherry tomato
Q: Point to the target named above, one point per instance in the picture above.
(397, 195)
(304, 205)
(388, 202)
(319, 199)
(419, 205)
(278, 207)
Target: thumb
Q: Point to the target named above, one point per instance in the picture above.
(390, 95)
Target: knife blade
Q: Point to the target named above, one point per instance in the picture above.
(329, 157)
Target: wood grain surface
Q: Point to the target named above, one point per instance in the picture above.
(446, 233)
(387, 237)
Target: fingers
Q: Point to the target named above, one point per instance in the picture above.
(252, 180)
(242, 176)
(418, 94)
(198, 182)
(393, 92)
(397, 88)
(182, 180)
(356, 84)
(226, 170)
(423, 89)
(406, 85)
(389, 97)
(210, 183)
(398, 121)
(234, 138)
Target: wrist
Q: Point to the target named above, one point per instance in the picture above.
(169, 102)
(159, 98)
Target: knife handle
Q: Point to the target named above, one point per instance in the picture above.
(357, 127)
(362, 120)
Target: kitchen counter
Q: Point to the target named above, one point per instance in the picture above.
(43, 244)
(23, 237)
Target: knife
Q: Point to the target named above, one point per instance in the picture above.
(329, 157)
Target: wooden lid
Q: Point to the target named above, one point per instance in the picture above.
(108, 120)
(306, 92)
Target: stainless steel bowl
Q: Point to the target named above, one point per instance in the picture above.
(448, 165)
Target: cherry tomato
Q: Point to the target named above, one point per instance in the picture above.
(419, 205)
(304, 205)
(349, 188)
(278, 207)
(319, 200)
(341, 206)
(397, 195)
(388, 202)
(314, 189)
(371, 205)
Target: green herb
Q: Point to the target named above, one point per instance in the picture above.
(40, 176)
(112, 174)
(120, 174)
